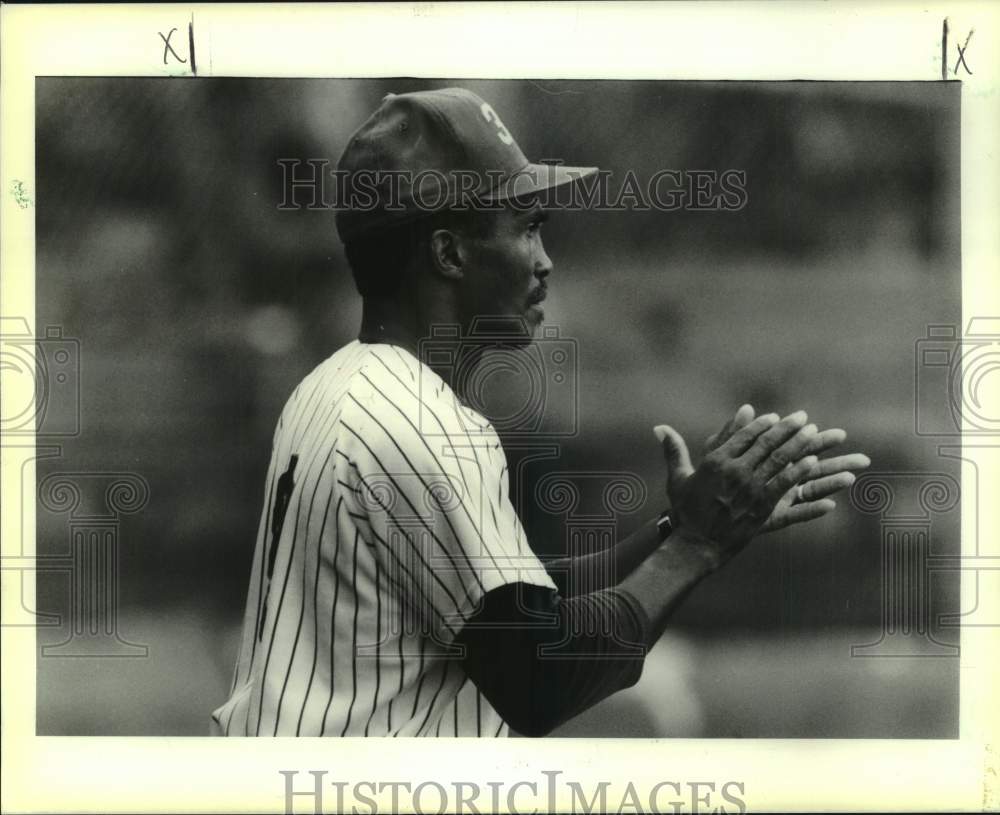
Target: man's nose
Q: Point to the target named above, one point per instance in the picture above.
(543, 266)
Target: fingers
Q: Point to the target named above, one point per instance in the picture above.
(742, 418)
(716, 439)
(742, 439)
(788, 477)
(826, 440)
(799, 513)
(822, 487)
(676, 454)
(765, 443)
(828, 466)
(792, 450)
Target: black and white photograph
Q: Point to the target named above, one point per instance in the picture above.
(758, 262)
(595, 410)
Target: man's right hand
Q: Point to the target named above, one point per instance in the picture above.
(722, 504)
(812, 498)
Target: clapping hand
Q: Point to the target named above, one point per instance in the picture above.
(758, 474)
(808, 499)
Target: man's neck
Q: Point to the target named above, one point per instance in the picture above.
(385, 322)
(382, 321)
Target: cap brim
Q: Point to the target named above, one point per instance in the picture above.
(522, 190)
(537, 178)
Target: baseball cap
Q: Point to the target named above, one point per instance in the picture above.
(427, 151)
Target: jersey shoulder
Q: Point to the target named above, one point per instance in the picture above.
(394, 388)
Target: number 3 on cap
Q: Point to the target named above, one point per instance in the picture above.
(491, 116)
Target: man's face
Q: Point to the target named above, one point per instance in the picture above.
(506, 270)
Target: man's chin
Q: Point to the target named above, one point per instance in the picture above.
(536, 316)
(529, 324)
(512, 330)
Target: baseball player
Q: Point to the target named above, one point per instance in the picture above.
(393, 591)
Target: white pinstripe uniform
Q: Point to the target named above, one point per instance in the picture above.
(386, 519)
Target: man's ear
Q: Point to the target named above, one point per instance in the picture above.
(447, 254)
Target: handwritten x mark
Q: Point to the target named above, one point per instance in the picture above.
(168, 47)
(961, 54)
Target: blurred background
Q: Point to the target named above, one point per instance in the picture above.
(199, 305)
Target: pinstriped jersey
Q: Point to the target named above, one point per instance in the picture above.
(386, 520)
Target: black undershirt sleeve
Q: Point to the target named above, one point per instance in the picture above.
(540, 658)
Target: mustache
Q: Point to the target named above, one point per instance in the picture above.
(539, 293)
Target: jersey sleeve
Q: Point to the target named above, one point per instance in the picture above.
(429, 489)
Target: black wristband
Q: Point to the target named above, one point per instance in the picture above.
(665, 524)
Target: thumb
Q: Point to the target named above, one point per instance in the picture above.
(675, 452)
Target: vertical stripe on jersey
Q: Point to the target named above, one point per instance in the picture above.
(262, 534)
(437, 693)
(277, 615)
(378, 646)
(415, 582)
(423, 676)
(315, 659)
(298, 633)
(278, 455)
(333, 617)
(305, 561)
(460, 459)
(420, 477)
(401, 626)
(419, 517)
(354, 641)
(437, 462)
(301, 487)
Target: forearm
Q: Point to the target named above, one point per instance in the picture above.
(661, 582)
(585, 574)
(541, 659)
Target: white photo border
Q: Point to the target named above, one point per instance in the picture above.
(738, 40)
